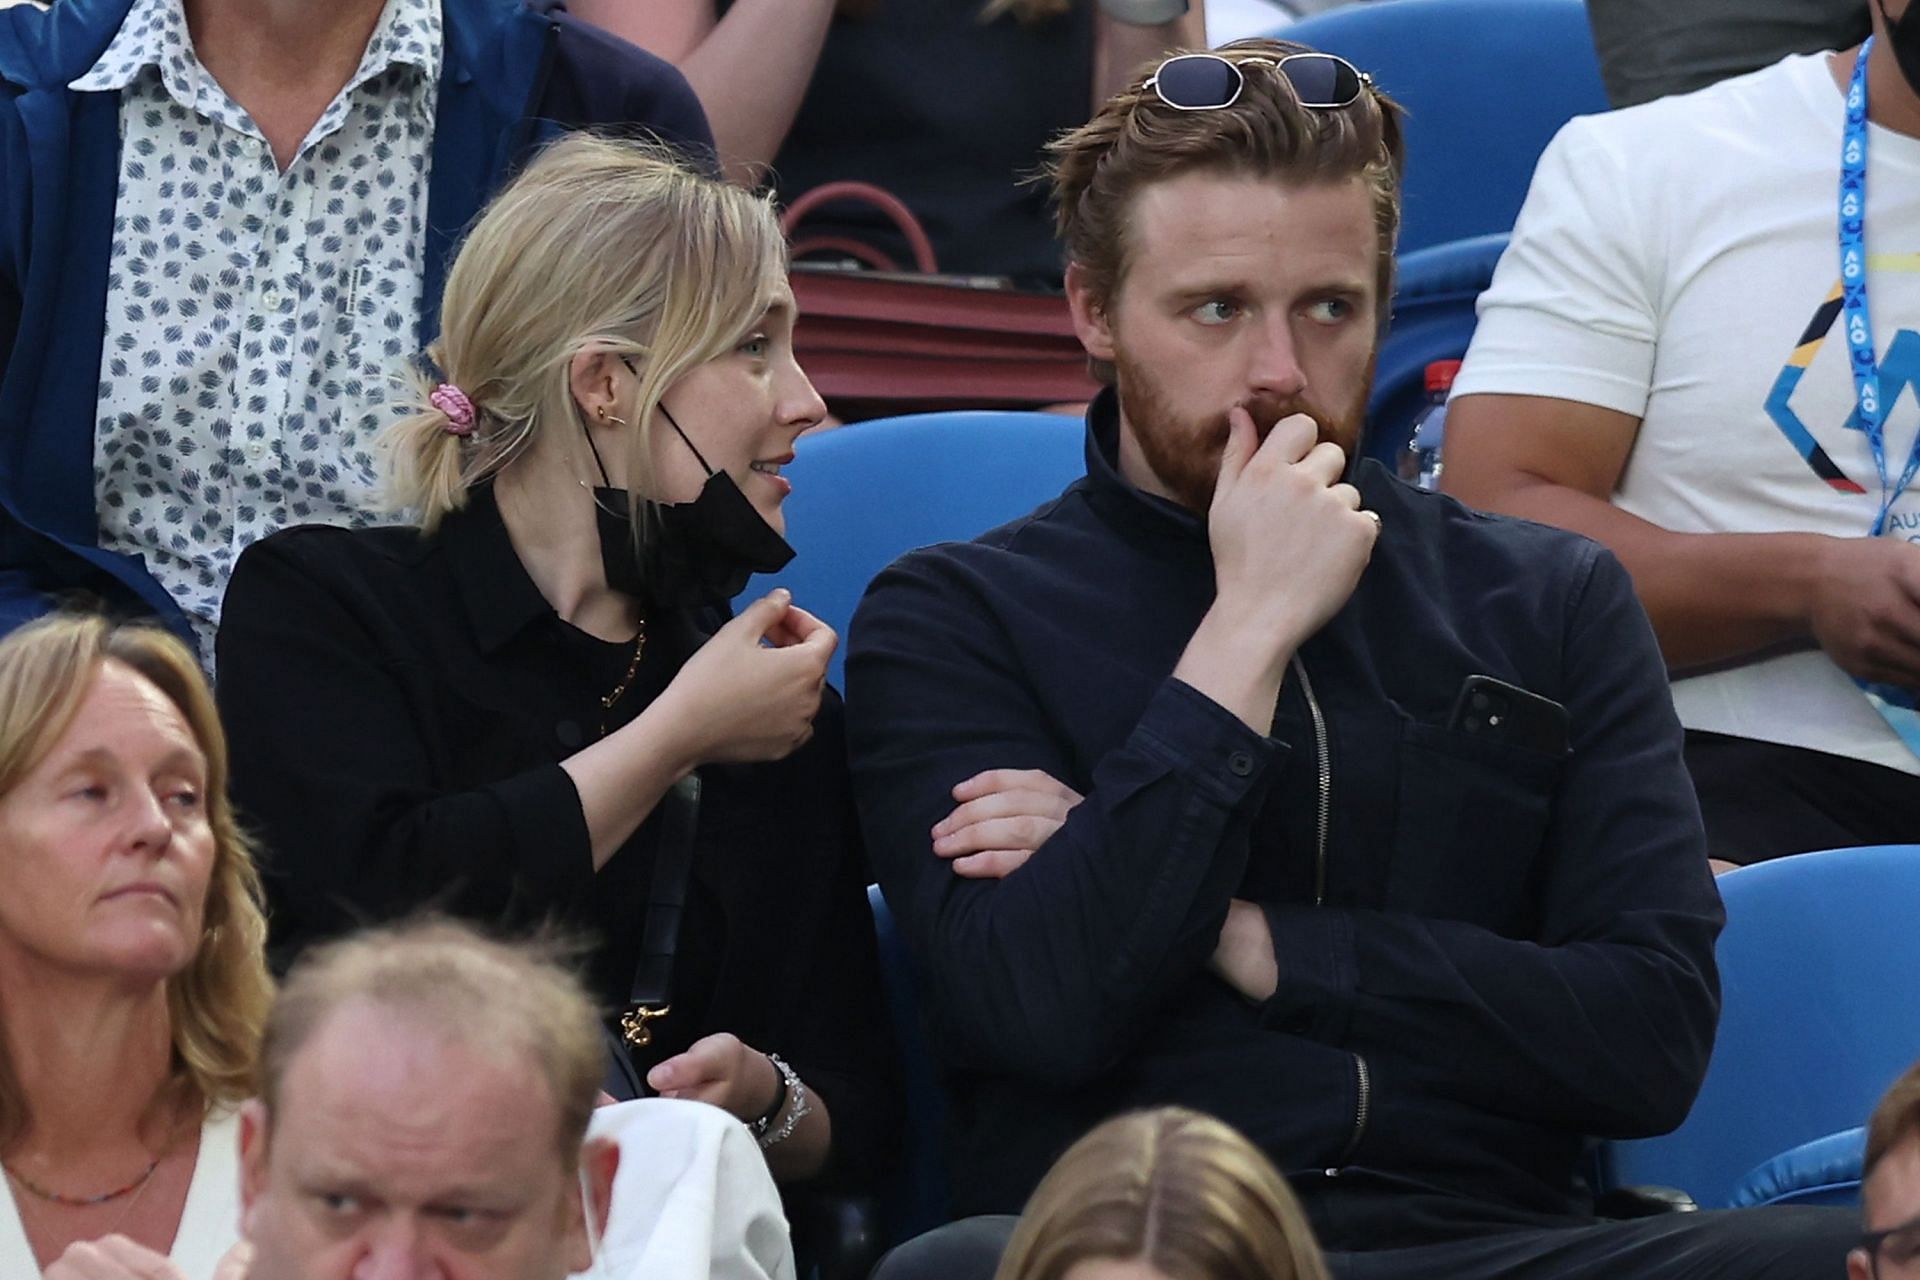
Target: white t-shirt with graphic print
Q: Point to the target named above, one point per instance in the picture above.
(1679, 262)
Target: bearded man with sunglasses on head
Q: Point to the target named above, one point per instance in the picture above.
(1246, 779)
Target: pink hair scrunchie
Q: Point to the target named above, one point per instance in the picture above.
(453, 402)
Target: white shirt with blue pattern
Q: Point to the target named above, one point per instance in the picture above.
(256, 318)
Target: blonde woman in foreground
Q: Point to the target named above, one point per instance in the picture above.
(1163, 1195)
(132, 960)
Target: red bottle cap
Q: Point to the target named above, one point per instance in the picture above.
(1440, 375)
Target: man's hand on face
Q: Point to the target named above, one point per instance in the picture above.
(1001, 817)
(1865, 609)
(118, 1258)
(1289, 539)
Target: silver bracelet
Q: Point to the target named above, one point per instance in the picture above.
(796, 1110)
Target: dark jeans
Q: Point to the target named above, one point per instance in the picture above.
(1763, 800)
(1738, 1244)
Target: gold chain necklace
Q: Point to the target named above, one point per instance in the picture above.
(626, 682)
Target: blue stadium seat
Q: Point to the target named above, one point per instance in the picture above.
(1818, 1019)
(1433, 319)
(917, 1202)
(1486, 84)
(867, 493)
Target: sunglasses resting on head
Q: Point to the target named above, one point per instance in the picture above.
(1210, 82)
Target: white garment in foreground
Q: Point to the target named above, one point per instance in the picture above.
(693, 1199)
(209, 1221)
(1678, 262)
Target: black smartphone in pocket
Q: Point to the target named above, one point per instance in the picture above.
(1501, 712)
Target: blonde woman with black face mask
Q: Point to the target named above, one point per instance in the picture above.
(532, 704)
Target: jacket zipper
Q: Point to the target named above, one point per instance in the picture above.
(1363, 1075)
(1362, 1108)
(1324, 815)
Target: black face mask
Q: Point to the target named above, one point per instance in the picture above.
(698, 553)
(1903, 33)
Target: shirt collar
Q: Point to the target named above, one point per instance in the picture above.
(1116, 496)
(408, 34)
(500, 598)
(154, 34)
(151, 32)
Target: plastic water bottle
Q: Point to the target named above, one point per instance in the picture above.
(1420, 461)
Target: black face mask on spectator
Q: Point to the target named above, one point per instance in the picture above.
(699, 553)
(1903, 33)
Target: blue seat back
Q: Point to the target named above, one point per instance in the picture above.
(1486, 83)
(867, 493)
(918, 1201)
(1433, 319)
(1818, 1017)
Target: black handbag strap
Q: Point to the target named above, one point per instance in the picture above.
(666, 903)
(652, 990)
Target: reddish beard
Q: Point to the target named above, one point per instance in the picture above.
(1185, 454)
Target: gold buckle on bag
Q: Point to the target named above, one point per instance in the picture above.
(634, 1028)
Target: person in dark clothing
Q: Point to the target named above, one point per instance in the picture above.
(533, 705)
(1361, 820)
(1649, 49)
(942, 102)
(224, 229)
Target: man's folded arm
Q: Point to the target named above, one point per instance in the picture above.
(1055, 970)
(1602, 1021)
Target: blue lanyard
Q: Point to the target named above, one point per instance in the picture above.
(1853, 293)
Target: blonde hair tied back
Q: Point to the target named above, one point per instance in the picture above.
(600, 244)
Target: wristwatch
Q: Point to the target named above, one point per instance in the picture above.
(1144, 13)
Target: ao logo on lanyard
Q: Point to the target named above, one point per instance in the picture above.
(1896, 706)
(1864, 361)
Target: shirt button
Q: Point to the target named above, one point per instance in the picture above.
(256, 450)
(270, 297)
(1239, 764)
(568, 732)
